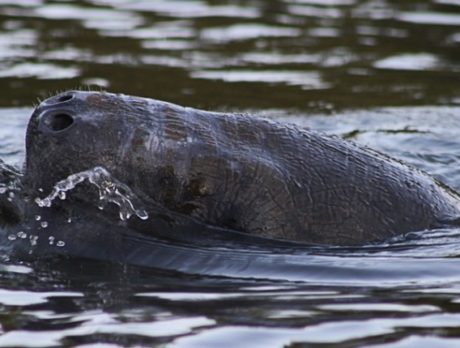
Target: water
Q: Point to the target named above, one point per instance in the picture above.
(382, 73)
(110, 191)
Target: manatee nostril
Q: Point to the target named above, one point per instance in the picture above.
(58, 122)
(64, 98)
(61, 98)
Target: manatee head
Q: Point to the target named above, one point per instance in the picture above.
(171, 157)
(75, 131)
(153, 147)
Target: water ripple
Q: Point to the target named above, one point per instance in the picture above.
(381, 73)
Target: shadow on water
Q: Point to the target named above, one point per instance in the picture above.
(381, 73)
(422, 258)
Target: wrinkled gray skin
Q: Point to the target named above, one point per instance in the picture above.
(231, 171)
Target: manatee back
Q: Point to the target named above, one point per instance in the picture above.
(281, 181)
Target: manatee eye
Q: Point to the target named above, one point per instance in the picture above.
(58, 122)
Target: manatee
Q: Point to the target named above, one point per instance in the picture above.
(204, 175)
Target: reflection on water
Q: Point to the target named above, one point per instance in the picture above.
(305, 54)
(382, 73)
(420, 61)
(308, 80)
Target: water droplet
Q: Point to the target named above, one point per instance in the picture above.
(22, 235)
(43, 202)
(38, 217)
(44, 224)
(60, 243)
(11, 194)
(33, 239)
(110, 190)
(142, 214)
(124, 214)
(51, 240)
(69, 220)
(12, 237)
(40, 190)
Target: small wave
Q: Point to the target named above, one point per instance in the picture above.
(110, 190)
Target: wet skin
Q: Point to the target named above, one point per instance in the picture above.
(224, 176)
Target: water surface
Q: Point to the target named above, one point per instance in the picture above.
(381, 73)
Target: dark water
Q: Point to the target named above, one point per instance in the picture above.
(383, 73)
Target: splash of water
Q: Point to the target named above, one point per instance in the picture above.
(110, 190)
(9, 180)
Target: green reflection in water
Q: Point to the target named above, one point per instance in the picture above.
(292, 54)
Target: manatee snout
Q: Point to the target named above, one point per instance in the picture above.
(56, 121)
(58, 113)
(66, 134)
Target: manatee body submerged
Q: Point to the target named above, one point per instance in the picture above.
(197, 170)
